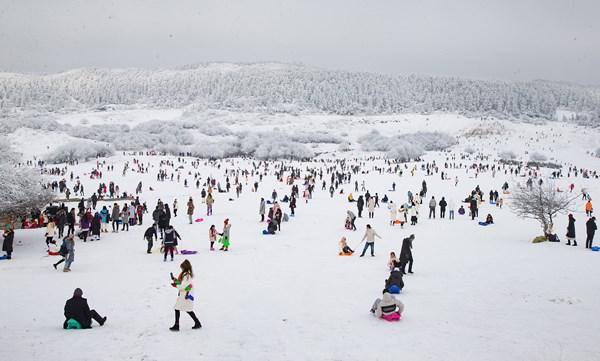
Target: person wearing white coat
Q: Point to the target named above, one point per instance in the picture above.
(371, 207)
(393, 212)
(185, 297)
(370, 235)
(451, 207)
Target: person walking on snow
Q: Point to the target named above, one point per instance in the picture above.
(571, 231)
(209, 203)
(185, 297)
(212, 236)
(170, 242)
(590, 227)
(225, 235)
(262, 209)
(370, 235)
(406, 254)
(175, 207)
(371, 207)
(190, 209)
(432, 205)
(393, 212)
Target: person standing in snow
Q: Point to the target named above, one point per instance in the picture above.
(175, 207)
(150, 235)
(360, 205)
(590, 227)
(212, 236)
(443, 205)
(50, 230)
(588, 208)
(451, 207)
(104, 216)
(185, 298)
(115, 218)
(70, 250)
(225, 240)
(209, 204)
(371, 207)
(406, 254)
(571, 231)
(190, 209)
(125, 217)
(369, 236)
(262, 209)
(293, 205)
(7, 242)
(393, 212)
(432, 205)
(170, 242)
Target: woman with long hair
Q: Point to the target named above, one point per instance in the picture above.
(185, 299)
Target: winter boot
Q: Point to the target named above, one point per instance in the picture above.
(574, 243)
(197, 326)
(568, 242)
(175, 327)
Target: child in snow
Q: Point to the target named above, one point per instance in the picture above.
(212, 236)
(387, 307)
(392, 261)
(345, 249)
(489, 219)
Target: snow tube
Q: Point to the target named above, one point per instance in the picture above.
(265, 232)
(198, 220)
(397, 221)
(395, 290)
(481, 223)
(345, 254)
(596, 249)
(52, 253)
(187, 251)
(392, 317)
(72, 324)
(269, 202)
(3, 257)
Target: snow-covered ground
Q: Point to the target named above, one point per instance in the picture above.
(478, 293)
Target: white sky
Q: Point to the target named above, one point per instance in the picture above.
(503, 39)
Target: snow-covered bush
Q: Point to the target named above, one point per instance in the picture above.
(405, 146)
(79, 150)
(469, 150)
(315, 137)
(598, 152)
(345, 146)
(537, 157)
(20, 191)
(216, 150)
(7, 152)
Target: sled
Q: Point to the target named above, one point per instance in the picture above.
(265, 232)
(345, 254)
(187, 251)
(596, 248)
(397, 221)
(53, 253)
(481, 223)
(392, 317)
(198, 220)
(395, 290)
(3, 257)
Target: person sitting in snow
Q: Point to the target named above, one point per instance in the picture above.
(350, 197)
(345, 249)
(387, 307)
(461, 210)
(489, 219)
(78, 313)
(395, 278)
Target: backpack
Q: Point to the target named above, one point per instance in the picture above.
(63, 251)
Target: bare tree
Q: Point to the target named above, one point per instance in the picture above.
(542, 203)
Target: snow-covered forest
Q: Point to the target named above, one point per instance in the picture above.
(287, 88)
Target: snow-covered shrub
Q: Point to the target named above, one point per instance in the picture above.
(405, 146)
(537, 157)
(469, 150)
(273, 145)
(79, 150)
(507, 155)
(315, 137)
(216, 150)
(20, 191)
(7, 152)
(598, 152)
(345, 146)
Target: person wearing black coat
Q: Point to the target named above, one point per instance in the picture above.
(77, 308)
(571, 231)
(293, 205)
(473, 206)
(171, 237)
(7, 243)
(71, 222)
(590, 227)
(150, 235)
(406, 254)
(95, 227)
(360, 204)
(395, 279)
(443, 204)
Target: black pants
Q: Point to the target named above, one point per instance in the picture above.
(589, 240)
(175, 212)
(150, 244)
(61, 230)
(125, 224)
(353, 225)
(432, 212)
(442, 212)
(71, 229)
(84, 235)
(49, 240)
(262, 217)
(59, 262)
(407, 259)
(292, 209)
(192, 315)
(169, 249)
(140, 218)
(359, 212)
(95, 316)
(115, 226)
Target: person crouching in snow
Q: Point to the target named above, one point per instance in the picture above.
(225, 235)
(392, 261)
(185, 298)
(344, 248)
(387, 307)
(212, 236)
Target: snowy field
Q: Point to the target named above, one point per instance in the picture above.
(478, 293)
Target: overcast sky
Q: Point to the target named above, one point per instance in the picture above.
(503, 39)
